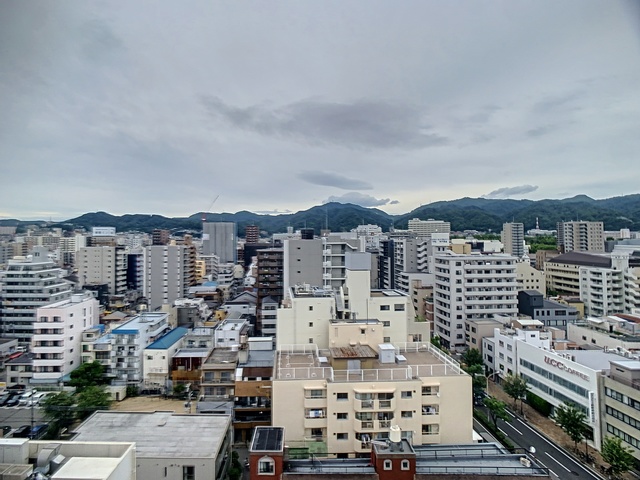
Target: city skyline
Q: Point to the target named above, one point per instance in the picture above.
(274, 108)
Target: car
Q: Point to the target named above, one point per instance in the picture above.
(38, 431)
(13, 401)
(22, 431)
(6, 429)
(26, 396)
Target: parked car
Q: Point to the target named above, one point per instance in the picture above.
(13, 401)
(6, 429)
(38, 431)
(24, 398)
(22, 431)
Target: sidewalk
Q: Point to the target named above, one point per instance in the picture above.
(548, 427)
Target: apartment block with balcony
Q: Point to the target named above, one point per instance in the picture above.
(334, 249)
(512, 237)
(103, 265)
(218, 375)
(58, 335)
(338, 400)
(580, 236)
(169, 272)
(471, 287)
(158, 358)
(26, 284)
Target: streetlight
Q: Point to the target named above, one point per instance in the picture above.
(32, 398)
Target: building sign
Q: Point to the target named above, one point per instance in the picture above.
(592, 407)
(562, 366)
(103, 232)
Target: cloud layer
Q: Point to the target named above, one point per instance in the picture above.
(361, 199)
(506, 192)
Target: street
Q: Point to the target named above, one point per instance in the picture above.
(17, 416)
(560, 464)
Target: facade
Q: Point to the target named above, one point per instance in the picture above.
(513, 239)
(252, 233)
(603, 290)
(334, 249)
(160, 237)
(57, 337)
(169, 272)
(221, 239)
(268, 316)
(103, 265)
(158, 358)
(425, 228)
(26, 284)
(302, 263)
(478, 329)
(167, 445)
(580, 236)
(471, 287)
(550, 313)
(562, 273)
(529, 278)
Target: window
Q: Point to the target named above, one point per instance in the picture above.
(406, 414)
(406, 394)
(386, 339)
(314, 394)
(310, 324)
(398, 307)
(386, 323)
(266, 466)
(342, 396)
(387, 465)
(404, 465)
(188, 472)
(342, 416)
(310, 307)
(342, 436)
(384, 307)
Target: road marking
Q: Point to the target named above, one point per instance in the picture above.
(512, 415)
(514, 429)
(554, 473)
(548, 455)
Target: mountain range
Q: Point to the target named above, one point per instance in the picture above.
(480, 214)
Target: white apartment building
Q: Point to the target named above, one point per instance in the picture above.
(604, 290)
(68, 248)
(103, 265)
(513, 239)
(156, 367)
(231, 333)
(471, 287)
(169, 272)
(580, 236)
(56, 343)
(424, 228)
(529, 278)
(342, 398)
(26, 284)
(334, 249)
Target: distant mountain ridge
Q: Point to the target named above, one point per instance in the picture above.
(464, 214)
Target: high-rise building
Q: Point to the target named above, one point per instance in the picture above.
(160, 237)
(26, 284)
(169, 272)
(424, 228)
(252, 233)
(302, 262)
(220, 238)
(580, 236)
(513, 239)
(270, 283)
(471, 287)
(103, 266)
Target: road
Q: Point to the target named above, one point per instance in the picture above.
(560, 464)
(17, 416)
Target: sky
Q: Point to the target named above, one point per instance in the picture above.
(174, 108)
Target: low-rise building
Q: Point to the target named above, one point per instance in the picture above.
(158, 358)
(549, 312)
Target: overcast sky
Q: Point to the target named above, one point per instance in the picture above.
(160, 106)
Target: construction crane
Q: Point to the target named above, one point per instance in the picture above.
(204, 214)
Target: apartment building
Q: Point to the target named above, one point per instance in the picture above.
(528, 278)
(602, 289)
(471, 287)
(562, 273)
(56, 343)
(512, 237)
(551, 313)
(340, 399)
(169, 272)
(103, 266)
(302, 262)
(580, 236)
(158, 357)
(334, 248)
(26, 284)
(220, 239)
(424, 228)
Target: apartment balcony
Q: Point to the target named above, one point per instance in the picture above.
(364, 405)
(48, 350)
(48, 363)
(319, 422)
(315, 403)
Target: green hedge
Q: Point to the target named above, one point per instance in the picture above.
(539, 404)
(488, 424)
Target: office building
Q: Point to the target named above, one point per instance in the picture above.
(26, 284)
(529, 278)
(580, 236)
(513, 239)
(221, 239)
(424, 228)
(551, 313)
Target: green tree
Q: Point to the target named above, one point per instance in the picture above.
(435, 341)
(617, 455)
(472, 357)
(87, 375)
(91, 399)
(58, 409)
(572, 420)
(497, 410)
(516, 387)
(479, 382)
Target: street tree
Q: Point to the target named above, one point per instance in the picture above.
(91, 399)
(572, 420)
(479, 382)
(87, 375)
(516, 387)
(497, 410)
(617, 455)
(58, 409)
(472, 357)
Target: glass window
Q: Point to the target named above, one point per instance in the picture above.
(266, 466)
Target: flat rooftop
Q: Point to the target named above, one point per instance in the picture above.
(158, 434)
(299, 362)
(143, 319)
(268, 439)
(222, 356)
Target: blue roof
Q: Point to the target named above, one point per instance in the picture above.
(210, 284)
(168, 339)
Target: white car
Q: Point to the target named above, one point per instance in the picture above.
(25, 397)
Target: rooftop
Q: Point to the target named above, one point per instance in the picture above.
(584, 259)
(169, 339)
(136, 322)
(158, 434)
(222, 356)
(268, 439)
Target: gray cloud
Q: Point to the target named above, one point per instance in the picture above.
(506, 192)
(272, 212)
(364, 124)
(330, 179)
(361, 199)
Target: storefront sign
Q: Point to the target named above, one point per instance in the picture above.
(562, 366)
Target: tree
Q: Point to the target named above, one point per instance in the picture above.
(479, 382)
(617, 455)
(516, 387)
(572, 420)
(87, 375)
(58, 409)
(91, 399)
(435, 341)
(472, 357)
(497, 410)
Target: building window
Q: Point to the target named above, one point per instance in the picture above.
(266, 466)
(386, 323)
(406, 394)
(188, 472)
(310, 340)
(342, 436)
(406, 414)
(310, 307)
(398, 307)
(387, 465)
(405, 465)
(384, 307)
(310, 324)
(386, 339)
(342, 416)
(342, 396)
